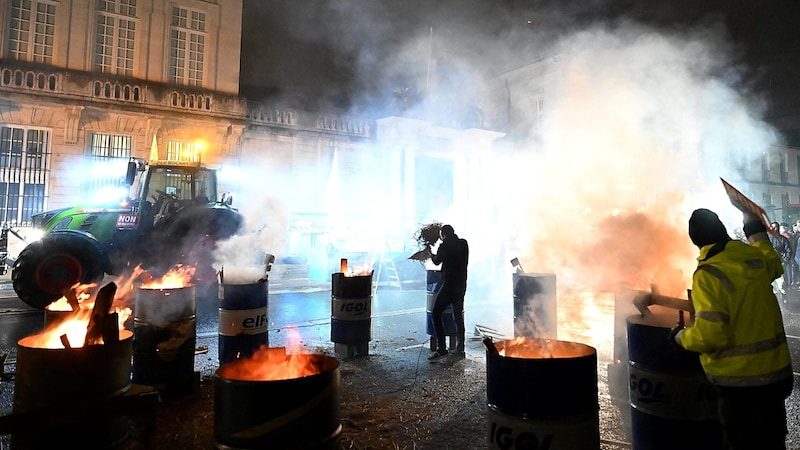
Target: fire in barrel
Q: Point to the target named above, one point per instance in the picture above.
(351, 311)
(276, 399)
(69, 371)
(542, 393)
(165, 333)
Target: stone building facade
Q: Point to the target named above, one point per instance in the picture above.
(86, 84)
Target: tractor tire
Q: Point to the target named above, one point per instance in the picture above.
(46, 268)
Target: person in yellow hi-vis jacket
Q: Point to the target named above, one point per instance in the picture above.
(738, 331)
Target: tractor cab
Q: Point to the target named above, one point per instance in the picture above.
(162, 188)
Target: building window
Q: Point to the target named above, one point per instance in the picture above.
(798, 168)
(183, 151)
(31, 31)
(187, 46)
(784, 167)
(108, 155)
(24, 171)
(538, 111)
(115, 37)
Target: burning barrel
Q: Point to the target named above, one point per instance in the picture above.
(275, 400)
(534, 305)
(668, 390)
(165, 333)
(542, 393)
(243, 319)
(72, 384)
(434, 278)
(351, 313)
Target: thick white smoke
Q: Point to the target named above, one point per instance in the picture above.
(638, 126)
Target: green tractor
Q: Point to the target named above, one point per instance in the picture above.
(173, 217)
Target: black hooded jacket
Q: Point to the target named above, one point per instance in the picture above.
(453, 255)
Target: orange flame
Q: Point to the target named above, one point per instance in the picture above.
(74, 329)
(357, 270)
(178, 277)
(522, 347)
(274, 363)
(82, 292)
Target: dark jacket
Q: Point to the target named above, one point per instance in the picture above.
(782, 247)
(453, 255)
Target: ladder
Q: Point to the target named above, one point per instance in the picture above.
(386, 264)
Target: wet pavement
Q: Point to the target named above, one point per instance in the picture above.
(396, 367)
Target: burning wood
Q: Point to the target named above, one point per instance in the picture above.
(76, 297)
(72, 298)
(94, 321)
(65, 341)
(103, 323)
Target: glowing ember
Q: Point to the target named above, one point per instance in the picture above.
(179, 276)
(523, 347)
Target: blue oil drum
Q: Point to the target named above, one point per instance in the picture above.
(351, 309)
(243, 319)
(433, 283)
(542, 394)
(448, 318)
(668, 390)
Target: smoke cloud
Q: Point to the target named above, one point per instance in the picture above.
(638, 125)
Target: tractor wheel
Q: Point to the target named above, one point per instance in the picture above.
(46, 268)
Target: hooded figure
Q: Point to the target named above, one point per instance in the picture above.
(705, 228)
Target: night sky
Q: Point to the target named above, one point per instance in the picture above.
(347, 53)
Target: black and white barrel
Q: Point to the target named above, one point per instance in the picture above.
(351, 313)
(243, 319)
(542, 396)
(668, 390)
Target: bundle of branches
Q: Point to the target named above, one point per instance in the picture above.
(427, 236)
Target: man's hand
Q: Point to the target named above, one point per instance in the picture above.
(674, 337)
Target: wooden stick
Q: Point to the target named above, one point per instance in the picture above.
(102, 306)
(65, 341)
(72, 299)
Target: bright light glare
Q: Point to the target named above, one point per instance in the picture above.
(109, 195)
(229, 174)
(34, 235)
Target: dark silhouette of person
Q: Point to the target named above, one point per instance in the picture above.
(453, 255)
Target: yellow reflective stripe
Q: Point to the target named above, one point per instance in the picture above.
(754, 263)
(726, 282)
(713, 316)
(756, 380)
(749, 349)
